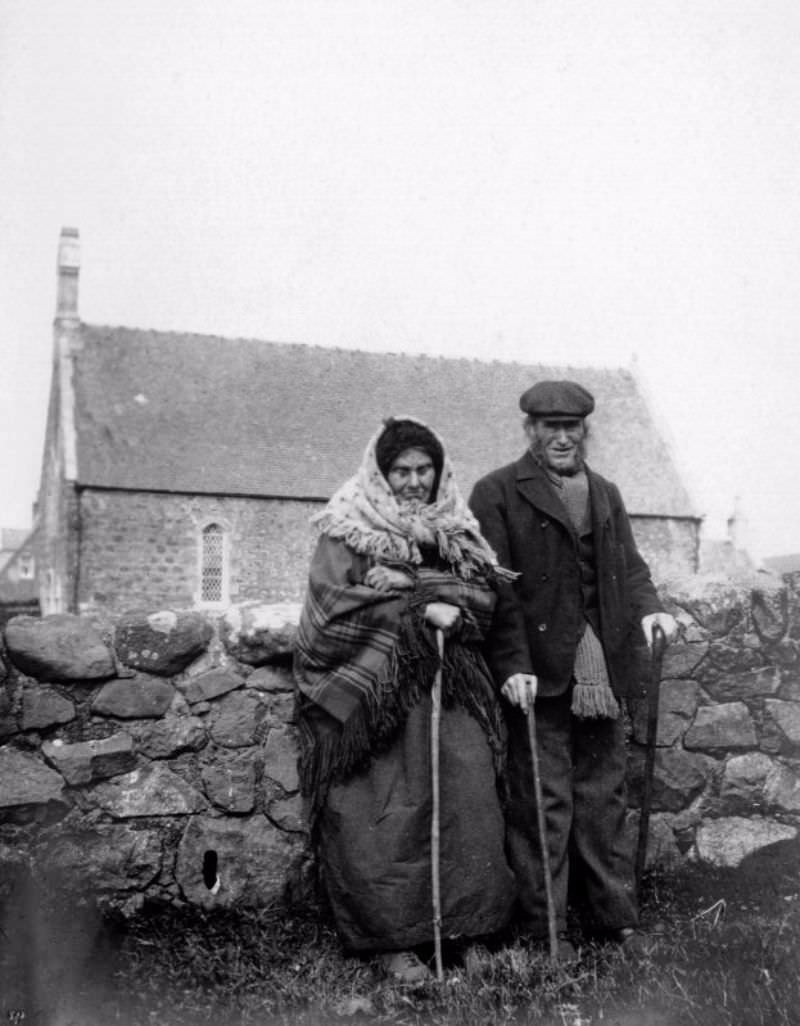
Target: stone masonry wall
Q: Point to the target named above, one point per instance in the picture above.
(156, 757)
(142, 549)
(137, 550)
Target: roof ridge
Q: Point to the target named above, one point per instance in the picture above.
(169, 333)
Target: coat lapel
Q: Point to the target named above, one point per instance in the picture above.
(533, 486)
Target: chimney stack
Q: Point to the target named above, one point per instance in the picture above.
(69, 263)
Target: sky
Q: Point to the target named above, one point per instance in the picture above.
(555, 181)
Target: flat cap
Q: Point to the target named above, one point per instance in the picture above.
(556, 399)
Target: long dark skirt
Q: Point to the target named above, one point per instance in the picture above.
(375, 841)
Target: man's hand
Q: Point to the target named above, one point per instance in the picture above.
(387, 578)
(520, 690)
(443, 615)
(667, 623)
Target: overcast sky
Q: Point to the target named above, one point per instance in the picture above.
(537, 180)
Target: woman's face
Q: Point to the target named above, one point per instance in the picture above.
(411, 476)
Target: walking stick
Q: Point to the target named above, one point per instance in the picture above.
(656, 657)
(537, 793)
(436, 712)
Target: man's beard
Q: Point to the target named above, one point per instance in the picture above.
(539, 454)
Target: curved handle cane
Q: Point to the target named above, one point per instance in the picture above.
(653, 686)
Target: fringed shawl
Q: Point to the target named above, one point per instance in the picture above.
(366, 516)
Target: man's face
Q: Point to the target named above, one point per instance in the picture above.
(411, 476)
(557, 442)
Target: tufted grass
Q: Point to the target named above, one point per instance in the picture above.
(729, 956)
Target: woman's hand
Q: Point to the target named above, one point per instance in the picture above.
(387, 578)
(443, 615)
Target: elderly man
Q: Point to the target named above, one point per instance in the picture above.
(564, 635)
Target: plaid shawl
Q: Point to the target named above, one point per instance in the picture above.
(362, 658)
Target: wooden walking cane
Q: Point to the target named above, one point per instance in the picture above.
(537, 794)
(436, 712)
(659, 643)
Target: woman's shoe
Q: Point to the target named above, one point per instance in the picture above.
(405, 966)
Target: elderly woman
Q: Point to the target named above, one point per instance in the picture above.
(400, 556)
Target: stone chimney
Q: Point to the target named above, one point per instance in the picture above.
(69, 263)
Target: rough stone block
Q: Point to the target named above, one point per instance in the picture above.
(743, 780)
(230, 780)
(87, 761)
(25, 780)
(170, 736)
(256, 633)
(680, 660)
(271, 679)
(153, 790)
(722, 726)
(59, 647)
(43, 707)
(786, 717)
(8, 719)
(210, 685)
(236, 718)
(678, 777)
(252, 857)
(741, 686)
(677, 704)
(134, 699)
(782, 789)
(108, 859)
(163, 643)
(280, 758)
(725, 842)
(288, 813)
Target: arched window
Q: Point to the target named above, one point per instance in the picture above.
(213, 576)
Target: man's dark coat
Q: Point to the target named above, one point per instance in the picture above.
(539, 619)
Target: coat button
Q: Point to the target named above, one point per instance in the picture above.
(542, 627)
(544, 523)
(545, 577)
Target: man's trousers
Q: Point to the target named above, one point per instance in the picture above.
(582, 769)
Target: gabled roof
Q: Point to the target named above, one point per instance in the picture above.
(201, 414)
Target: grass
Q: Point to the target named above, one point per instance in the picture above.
(729, 956)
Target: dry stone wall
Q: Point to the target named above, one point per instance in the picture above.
(155, 756)
(727, 766)
(155, 759)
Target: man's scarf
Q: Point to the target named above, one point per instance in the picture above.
(592, 697)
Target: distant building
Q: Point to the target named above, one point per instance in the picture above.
(10, 540)
(19, 591)
(732, 555)
(780, 565)
(181, 470)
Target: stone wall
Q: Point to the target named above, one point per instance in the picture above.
(727, 768)
(156, 757)
(142, 549)
(112, 550)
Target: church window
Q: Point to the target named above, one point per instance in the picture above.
(213, 569)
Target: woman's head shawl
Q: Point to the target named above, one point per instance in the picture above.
(365, 515)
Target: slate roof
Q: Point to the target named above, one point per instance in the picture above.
(200, 414)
